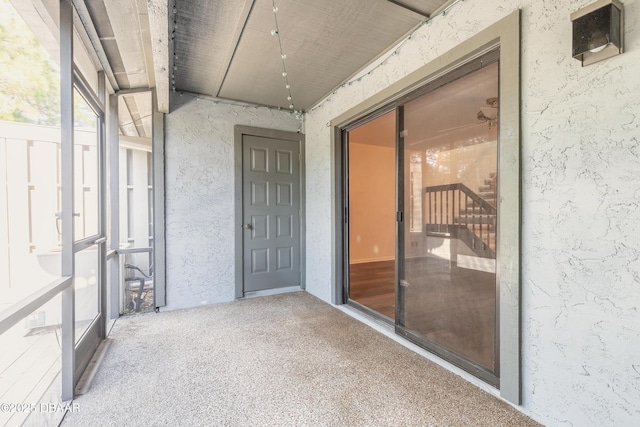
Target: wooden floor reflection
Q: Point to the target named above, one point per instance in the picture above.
(372, 285)
(451, 306)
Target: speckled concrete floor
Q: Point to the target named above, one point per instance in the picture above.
(281, 360)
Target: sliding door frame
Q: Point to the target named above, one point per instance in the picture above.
(96, 330)
(505, 36)
(491, 377)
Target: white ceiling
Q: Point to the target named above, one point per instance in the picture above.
(224, 48)
(230, 53)
(120, 31)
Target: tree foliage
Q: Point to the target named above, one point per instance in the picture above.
(29, 80)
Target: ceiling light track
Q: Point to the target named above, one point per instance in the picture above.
(283, 56)
(235, 103)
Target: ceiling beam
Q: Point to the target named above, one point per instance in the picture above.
(87, 23)
(133, 91)
(159, 27)
(44, 24)
(143, 23)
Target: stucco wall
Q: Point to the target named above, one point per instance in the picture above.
(199, 170)
(580, 204)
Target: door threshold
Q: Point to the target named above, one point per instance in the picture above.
(389, 331)
(374, 315)
(267, 292)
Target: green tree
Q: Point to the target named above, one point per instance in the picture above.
(29, 79)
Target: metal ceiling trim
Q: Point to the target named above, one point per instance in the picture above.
(132, 91)
(229, 101)
(87, 22)
(444, 7)
(159, 20)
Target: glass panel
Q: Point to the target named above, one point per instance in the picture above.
(112, 301)
(449, 281)
(30, 238)
(30, 364)
(372, 207)
(108, 165)
(136, 176)
(85, 151)
(87, 280)
(138, 284)
(136, 203)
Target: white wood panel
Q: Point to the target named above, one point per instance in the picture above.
(17, 209)
(140, 207)
(4, 223)
(44, 192)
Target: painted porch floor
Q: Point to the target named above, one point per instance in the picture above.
(287, 359)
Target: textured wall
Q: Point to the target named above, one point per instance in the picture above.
(200, 196)
(581, 205)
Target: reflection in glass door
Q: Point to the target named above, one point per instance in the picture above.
(447, 292)
(371, 200)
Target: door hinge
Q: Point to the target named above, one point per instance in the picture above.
(399, 216)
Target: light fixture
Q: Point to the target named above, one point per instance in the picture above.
(598, 31)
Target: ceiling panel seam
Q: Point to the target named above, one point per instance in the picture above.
(235, 48)
(398, 3)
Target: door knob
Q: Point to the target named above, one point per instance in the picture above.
(247, 226)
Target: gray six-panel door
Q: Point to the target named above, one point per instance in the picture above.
(271, 213)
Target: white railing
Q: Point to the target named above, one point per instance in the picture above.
(30, 200)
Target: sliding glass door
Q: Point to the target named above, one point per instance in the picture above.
(89, 231)
(371, 199)
(447, 292)
(421, 216)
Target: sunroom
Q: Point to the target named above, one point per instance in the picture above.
(455, 179)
